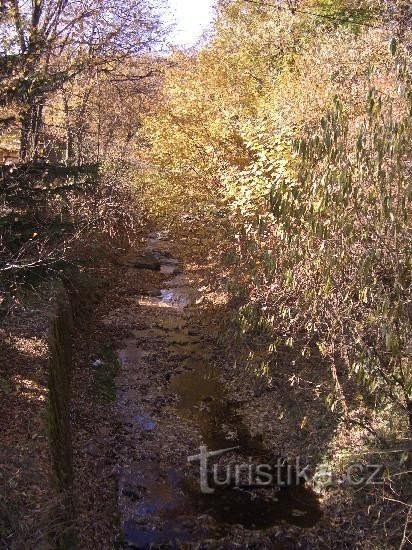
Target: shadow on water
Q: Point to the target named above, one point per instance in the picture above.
(153, 490)
(202, 400)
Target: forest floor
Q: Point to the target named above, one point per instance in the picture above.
(28, 499)
(179, 385)
(155, 377)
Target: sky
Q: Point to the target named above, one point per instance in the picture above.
(191, 18)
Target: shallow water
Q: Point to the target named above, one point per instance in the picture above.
(153, 490)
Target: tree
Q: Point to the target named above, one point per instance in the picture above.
(47, 43)
(306, 111)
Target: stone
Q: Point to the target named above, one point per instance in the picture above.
(143, 260)
(147, 261)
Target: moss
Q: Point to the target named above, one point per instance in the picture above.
(58, 416)
(105, 375)
(60, 341)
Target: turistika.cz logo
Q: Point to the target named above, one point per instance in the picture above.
(280, 474)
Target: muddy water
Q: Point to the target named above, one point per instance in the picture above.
(160, 504)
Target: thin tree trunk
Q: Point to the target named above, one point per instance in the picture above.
(69, 153)
(31, 127)
(409, 410)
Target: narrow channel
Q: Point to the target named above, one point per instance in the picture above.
(157, 502)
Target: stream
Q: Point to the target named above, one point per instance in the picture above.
(161, 503)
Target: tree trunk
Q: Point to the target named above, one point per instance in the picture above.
(69, 153)
(409, 411)
(31, 126)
